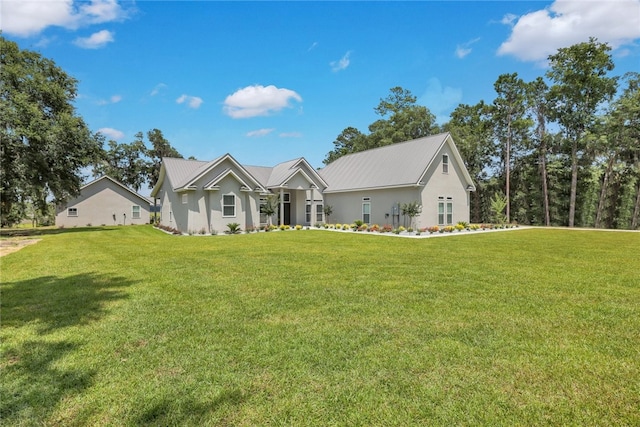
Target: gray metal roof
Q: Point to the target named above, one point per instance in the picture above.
(395, 165)
(180, 171)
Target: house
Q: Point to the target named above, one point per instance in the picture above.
(104, 201)
(373, 185)
(203, 197)
(197, 196)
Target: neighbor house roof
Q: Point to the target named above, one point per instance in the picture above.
(396, 165)
(119, 184)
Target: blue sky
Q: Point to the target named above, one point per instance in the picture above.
(272, 81)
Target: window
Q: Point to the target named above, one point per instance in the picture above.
(445, 163)
(307, 213)
(72, 212)
(366, 212)
(319, 212)
(229, 205)
(263, 216)
(286, 197)
(445, 211)
(135, 212)
(185, 198)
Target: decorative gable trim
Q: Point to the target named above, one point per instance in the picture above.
(217, 162)
(213, 184)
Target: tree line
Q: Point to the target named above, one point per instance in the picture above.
(563, 149)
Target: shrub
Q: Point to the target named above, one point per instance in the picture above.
(358, 223)
(233, 228)
(386, 228)
(363, 227)
(459, 227)
(401, 229)
(346, 226)
(338, 226)
(298, 227)
(374, 227)
(433, 229)
(449, 228)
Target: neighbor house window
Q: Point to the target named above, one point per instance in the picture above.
(445, 164)
(185, 198)
(72, 212)
(366, 211)
(229, 205)
(135, 212)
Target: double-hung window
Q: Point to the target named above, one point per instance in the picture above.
(319, 212)
(366, 210)
(229, 205)
(135, 212)
(445, 211)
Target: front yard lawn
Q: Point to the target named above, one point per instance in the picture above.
(130, 326)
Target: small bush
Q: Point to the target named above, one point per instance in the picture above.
(233, 228)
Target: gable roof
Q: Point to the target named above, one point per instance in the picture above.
(183, 173)
(397, 165)
(280, 174)
(117, 183)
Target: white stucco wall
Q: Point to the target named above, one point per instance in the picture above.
(103, 203)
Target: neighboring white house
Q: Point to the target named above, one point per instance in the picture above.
(197, 196)
(104, 201)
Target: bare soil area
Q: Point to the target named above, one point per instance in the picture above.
(11, 245)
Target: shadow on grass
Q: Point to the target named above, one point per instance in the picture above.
(58, 302)
(33, 383)
(28, 232)
(180, 411)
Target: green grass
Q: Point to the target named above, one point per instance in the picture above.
(130, 326)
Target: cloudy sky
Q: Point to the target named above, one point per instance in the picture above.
(271, 81)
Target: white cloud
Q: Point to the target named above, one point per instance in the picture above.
(95, 41)
(26, 18)
(258, 100)
(259, 132)
(539, 34)
(111, 133)
(113, 100)
(464, 49)
(342, 63)
(313, 46)
(156, 90)
(192, 101)
(441, 101)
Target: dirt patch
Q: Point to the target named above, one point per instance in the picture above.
(8, 246)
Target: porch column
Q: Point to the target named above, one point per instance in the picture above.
(313, 208)
(281, 206)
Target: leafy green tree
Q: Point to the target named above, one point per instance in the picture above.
(402, 120)
(411, 210)
(498, 208)
(406, 120)
(270, 207)
(160, 148)
(125, 163)
(471, 129)
(581, 86)
(511, 125)
(45, 145)
(538, 106)
(350, 140)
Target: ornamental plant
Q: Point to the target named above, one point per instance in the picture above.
(459, 227)
(298, 227)
(433, 229)
(449, 229)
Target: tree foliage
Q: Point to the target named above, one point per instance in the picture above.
(402, 120)
(135, 164)
(45, 145)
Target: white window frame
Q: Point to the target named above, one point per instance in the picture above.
(307, 212)
(445, 211)
(70, 210)
(227, 205)
(366, 216)
(134, 214)
(319, 212)
(445, 163)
